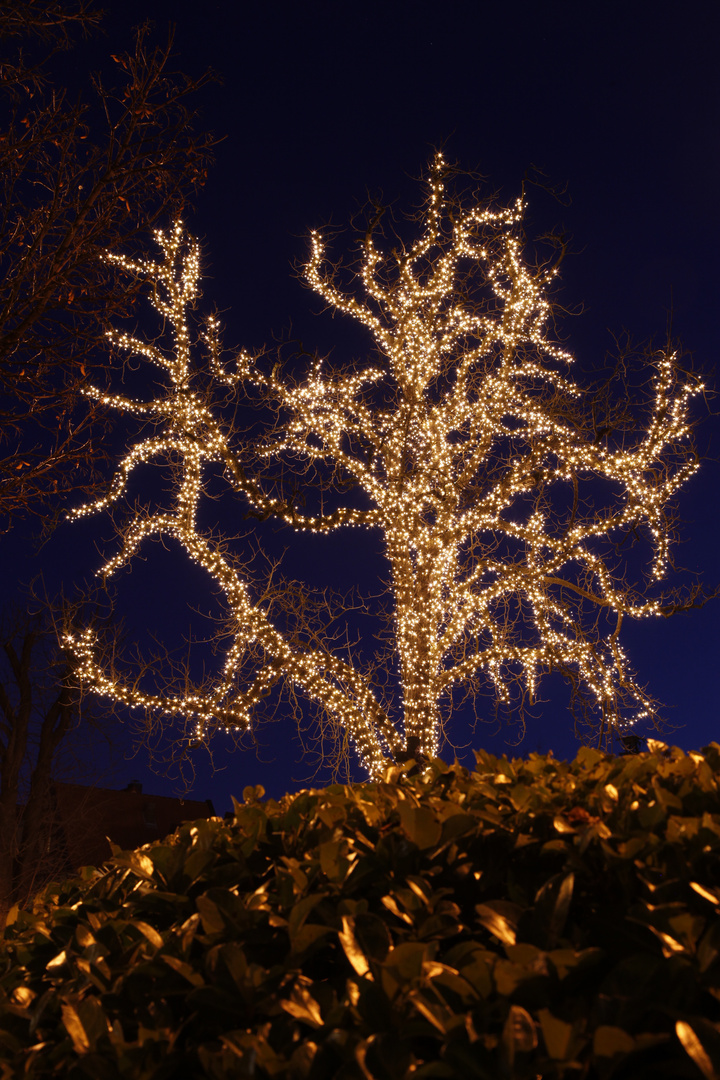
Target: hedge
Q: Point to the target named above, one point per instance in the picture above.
(533, 918)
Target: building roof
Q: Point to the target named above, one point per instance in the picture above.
(89, 818)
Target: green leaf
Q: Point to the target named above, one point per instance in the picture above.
(588, 756)
(709, 947)
(352, 948)
(307, 936)
(212, 920)
(519, 1033)
(608, 1041)
(420, 824)
(167, 860)
(520, 794)
(508, 976)
(500, 918)
(302, 1005)
(197, 862)
(556, 1033)
(679, 829)
(236, 962)
(554, 845)
(687, 928)
(93, 1019)
(457, 824)
(552, 904)
(148, 932)
(137, 861)
(253, 794)
(57, 961)
(564, 960)
(300, 911)
(667, 799)
(439, 1015)
(76, 1031)
(184, 969)
(331, 814)
(373, 935)
(631, 848)
(332, 862)
(650, 816)
(447, 978)
(474, 964)
(694, 1048)
(406, 960)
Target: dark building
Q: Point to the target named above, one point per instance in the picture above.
(87, 819)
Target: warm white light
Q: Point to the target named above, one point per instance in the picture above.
(466, 412)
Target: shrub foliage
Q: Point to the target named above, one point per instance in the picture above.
(531, 918)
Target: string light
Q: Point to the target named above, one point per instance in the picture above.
(466, 415)
(192, 437)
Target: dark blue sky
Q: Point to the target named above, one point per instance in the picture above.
(617, 103)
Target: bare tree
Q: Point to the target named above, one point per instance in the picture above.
(78, 174)
(501, 490)
(40, 708)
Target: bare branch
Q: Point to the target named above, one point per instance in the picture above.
(500, 488)
(76, 176)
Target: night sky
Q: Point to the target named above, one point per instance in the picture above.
(617, 105)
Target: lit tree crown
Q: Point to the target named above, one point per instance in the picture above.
(480, 459)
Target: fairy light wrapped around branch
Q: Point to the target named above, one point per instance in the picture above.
(192, 437)
(480, 460)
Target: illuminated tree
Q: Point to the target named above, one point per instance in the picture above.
(499, 490)
(79, 172)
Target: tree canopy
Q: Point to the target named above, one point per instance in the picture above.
(79, 172)
(501, 489)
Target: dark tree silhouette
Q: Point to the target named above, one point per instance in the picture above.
(78, 174)
(40, 706)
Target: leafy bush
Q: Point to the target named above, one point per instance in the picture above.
(532, 918)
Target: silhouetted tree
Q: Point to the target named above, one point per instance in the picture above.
(79, 172)
(41, 707)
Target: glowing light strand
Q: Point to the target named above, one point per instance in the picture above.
(469, 374)
(193, 439)
(465, 416)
